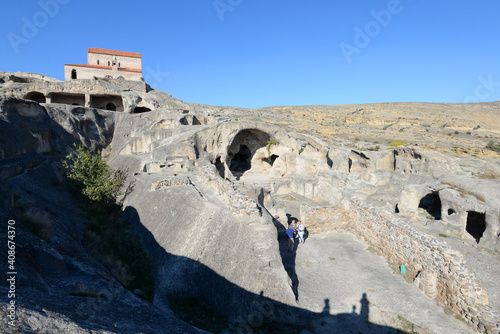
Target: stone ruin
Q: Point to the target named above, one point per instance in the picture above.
(193, 168)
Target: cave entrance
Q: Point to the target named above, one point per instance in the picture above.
(220, 167)
(243, 148)
(432, 204)
(138, 110)
(196, 121)
(241, 161)
(476, 224)
(68, 98)
(36, 96)
(110, 106)
(272, 159)
(107, 102)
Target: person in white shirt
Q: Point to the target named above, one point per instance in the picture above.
(300, 228)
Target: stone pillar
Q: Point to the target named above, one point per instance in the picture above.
(426, 281)
(87, 100)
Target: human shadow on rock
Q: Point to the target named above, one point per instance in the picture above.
(180, 277)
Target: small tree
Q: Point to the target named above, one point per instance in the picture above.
(92, 175)
(492, 146)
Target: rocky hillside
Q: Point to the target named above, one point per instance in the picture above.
(209, 191)
(445, 127)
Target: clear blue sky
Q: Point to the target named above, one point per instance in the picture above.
(257, 53)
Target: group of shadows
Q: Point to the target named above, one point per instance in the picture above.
(232, 309)
(202, 298)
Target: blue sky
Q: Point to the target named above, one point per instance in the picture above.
(258, 53)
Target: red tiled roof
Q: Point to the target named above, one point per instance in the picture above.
(105, 67)
(114, 52)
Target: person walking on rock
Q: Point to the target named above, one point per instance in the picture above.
(300, 228)
(289, 233)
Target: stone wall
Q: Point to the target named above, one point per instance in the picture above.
(238, 203)
(178, 181)
(138, 86)
(125, 62)
(438, 270)
(323, 219)
(89, 72)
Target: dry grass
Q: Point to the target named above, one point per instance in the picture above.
(425, 124)
(109, 240)
(80, 290)
(39, 222)
(463, 191)
(488, 175)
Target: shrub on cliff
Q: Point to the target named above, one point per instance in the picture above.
(493, 146)
(396, 143)
(89, 173)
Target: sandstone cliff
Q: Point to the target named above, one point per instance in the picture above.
(209, 190)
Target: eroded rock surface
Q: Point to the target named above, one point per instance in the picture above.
(209, 189)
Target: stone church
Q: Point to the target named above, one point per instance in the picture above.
(103, 63)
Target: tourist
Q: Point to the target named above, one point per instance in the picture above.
(289, 233)
(300, 233)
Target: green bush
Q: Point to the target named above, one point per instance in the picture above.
(268, 147)
(493, 146)
(89, 173)
(271, 143)
(396, 143)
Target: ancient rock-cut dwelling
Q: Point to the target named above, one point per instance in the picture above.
(208, 191)
(103, 63)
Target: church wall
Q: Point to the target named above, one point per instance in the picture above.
(90, 73)
(125, 62)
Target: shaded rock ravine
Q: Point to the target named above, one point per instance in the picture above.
(210, 190)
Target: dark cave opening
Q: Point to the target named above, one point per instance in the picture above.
(110, 106)
(242, 149)
(272, 159)
(432, 204)
(241, 161)
(220, 167)
(476, 224)
(36, 96)
(138, 110)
